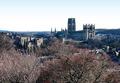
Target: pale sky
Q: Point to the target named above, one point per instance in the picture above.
(41, 15)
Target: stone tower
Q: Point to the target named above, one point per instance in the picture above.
(89, 31)
(71, 25)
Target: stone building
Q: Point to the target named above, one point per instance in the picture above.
(24, 41)
(89, 31)
(71, 25)
(39, 42)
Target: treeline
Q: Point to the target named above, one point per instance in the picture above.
(108, 31)
(69, 65)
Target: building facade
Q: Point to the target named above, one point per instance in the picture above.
(89, 31)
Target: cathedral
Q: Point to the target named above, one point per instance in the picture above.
(87, 33)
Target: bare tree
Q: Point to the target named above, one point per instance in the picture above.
(79, 68)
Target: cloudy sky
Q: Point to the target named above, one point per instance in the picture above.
(41, 15)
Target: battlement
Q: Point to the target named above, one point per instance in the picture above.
(88, 26)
